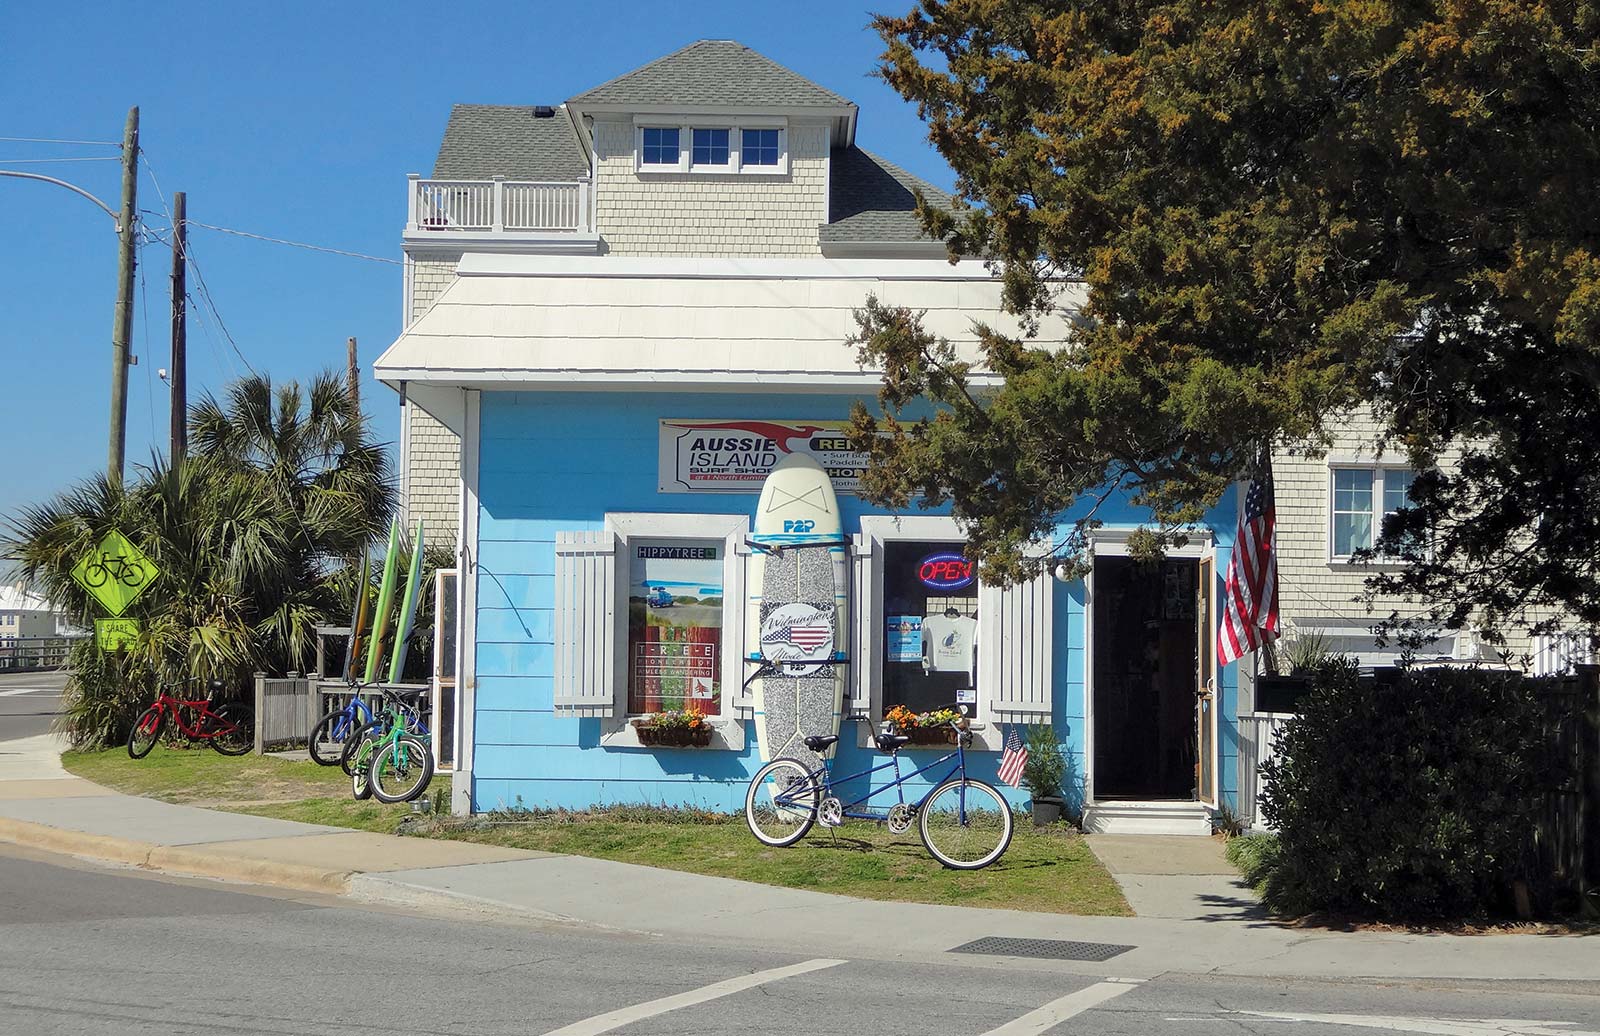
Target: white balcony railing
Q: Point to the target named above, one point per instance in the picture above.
(498, 206)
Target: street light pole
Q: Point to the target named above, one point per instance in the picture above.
(122, 326)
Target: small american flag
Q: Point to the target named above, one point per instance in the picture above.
(1250, 593)
(1014, 758)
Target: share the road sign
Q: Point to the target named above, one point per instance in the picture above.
(112, 634)
(115, 573)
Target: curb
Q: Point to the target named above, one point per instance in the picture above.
(188, 860)
(374, 888)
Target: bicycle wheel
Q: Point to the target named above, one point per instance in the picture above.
(360, 755)
(232, 728)
(781, 803)
(965, 824)
(329, 737)
(146, 731)
(353, 742)
(399, 772)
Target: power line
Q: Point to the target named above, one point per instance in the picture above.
(205, 292)
(296, 244)
(53, 140)
(43, 161)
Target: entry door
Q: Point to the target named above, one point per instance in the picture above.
(1206, 695)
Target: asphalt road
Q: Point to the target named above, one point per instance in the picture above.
(28, 703)
(91, 950)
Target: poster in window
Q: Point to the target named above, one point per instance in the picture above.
(675, 599)
(931, 628)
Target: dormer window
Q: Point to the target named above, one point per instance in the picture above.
(752, 146)
(710, 147)
(759, 147)
(659, 146)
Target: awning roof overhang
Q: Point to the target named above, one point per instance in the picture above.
(607, 323)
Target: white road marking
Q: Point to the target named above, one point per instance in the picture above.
(27, 690)
(1431, 1026)
(638, 1012)
(1060, 1009)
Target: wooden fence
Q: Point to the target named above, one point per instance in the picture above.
(35, 654)
(289, 707)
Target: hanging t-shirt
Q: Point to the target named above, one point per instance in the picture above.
(948, 642)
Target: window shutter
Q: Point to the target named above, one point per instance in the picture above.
(1015, 642)
(866, 627)
(735, 601)
(587, 643)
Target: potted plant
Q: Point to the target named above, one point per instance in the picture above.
(674, 728)
(1042, 773)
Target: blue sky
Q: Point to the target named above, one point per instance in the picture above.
(299, 121)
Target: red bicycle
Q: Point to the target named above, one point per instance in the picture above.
(229, 726)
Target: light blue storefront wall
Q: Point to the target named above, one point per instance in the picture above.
(559, 462)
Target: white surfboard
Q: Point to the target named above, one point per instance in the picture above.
(798, 609)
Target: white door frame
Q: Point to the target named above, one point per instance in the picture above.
(1113, 543)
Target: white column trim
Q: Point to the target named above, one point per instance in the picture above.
(467, 605)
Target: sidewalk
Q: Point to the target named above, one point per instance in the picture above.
(43, 808)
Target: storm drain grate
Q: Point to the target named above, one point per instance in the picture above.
(1050, 949)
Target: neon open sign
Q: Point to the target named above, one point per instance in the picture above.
(946, 572)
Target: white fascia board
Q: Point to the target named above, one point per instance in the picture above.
(821, 382)
(924, 249)
(428, 243)
(678, 268)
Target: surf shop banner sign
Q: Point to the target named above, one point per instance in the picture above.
(734, 456)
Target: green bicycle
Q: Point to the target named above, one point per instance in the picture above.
(386, 761)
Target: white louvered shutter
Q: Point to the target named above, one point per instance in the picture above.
(735, 602)
(1015, 650)
(866, 628)
(588, 668)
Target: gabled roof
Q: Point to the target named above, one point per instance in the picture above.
(870, 199)
(482, 141)
(719, 72)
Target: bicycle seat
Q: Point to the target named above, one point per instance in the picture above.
(890, 742)
(820, 742)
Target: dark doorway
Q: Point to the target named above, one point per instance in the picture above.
(1145, 659)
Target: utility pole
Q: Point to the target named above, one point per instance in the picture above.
(180, 329)
(122, 326)
(353, 373)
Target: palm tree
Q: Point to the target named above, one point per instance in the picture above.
(279, 488)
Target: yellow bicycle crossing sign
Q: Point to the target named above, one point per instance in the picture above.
(115, 573)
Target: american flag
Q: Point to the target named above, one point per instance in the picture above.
(1014, 758)
(1250, 615)
(809, 637)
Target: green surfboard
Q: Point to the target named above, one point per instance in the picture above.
(380, 617)
(408, 608)
(360, 613)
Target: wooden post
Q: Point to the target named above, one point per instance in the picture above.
(353, 373)
(261, 705)
(180, 332)
(122, 325)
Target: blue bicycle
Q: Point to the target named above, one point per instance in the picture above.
(964, 823)
(342, 727)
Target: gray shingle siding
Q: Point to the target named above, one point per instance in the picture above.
(870, 199)
(483, 141)
(720, 72)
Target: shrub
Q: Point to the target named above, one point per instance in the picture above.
(1046, 766)
(1256, 856)
(1411, 798)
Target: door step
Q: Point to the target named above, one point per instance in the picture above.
(1147, 818)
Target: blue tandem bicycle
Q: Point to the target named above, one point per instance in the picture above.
(964, 823)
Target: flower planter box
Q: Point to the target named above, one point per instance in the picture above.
(941, 735)
(673, 737)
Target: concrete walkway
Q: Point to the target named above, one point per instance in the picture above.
(41, 808)
(1179, 878)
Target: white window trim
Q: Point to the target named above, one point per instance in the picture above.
(883, 529)
(728, 729)
(686, 165)
(1379, 471)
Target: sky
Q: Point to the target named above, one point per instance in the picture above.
(296, 121)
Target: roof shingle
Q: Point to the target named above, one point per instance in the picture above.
(482, 141)
(870, 199)
(721, 72)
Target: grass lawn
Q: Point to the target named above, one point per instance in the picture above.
(1050, 871)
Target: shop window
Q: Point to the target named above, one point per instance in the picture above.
(648, 617)
(676, 603)
(930, 640)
